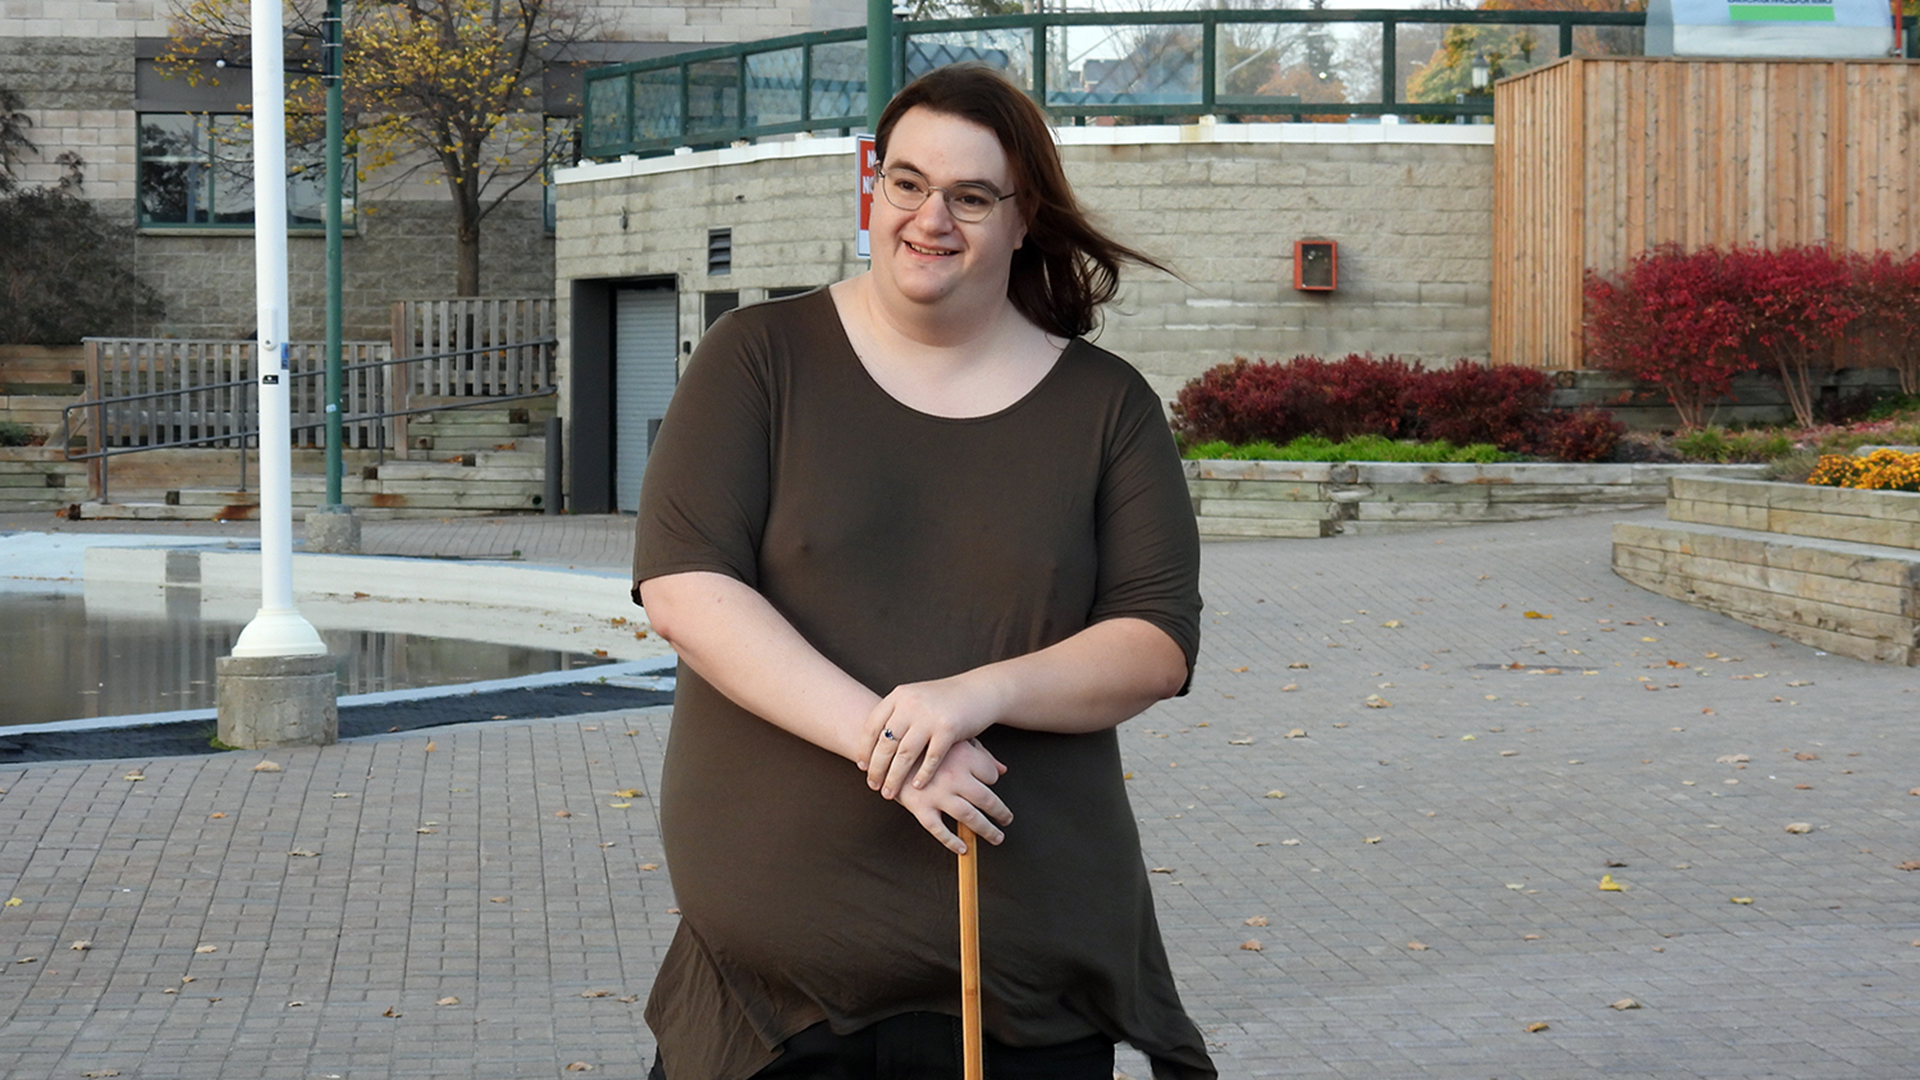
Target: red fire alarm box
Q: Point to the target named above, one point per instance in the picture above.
(1316, 265)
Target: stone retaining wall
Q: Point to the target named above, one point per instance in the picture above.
(1271, 499)
(1834, 568)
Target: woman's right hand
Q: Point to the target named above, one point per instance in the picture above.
(960, 789)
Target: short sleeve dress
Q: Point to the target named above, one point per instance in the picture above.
(907, 547)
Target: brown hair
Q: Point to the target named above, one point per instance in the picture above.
(1066, 268)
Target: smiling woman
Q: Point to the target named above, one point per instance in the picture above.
(845, 535)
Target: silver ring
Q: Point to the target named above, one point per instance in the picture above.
(887, 734)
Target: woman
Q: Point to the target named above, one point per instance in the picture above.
(911, 524)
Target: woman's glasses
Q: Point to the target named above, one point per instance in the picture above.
(909, 191)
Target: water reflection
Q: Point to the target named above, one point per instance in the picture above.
(57, 663)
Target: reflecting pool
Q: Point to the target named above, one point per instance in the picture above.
(58, 661)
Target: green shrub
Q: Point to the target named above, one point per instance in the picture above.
(1358, 448)
(14, 433)
(1718, 445)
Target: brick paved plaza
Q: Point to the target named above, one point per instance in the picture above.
(1458, 776)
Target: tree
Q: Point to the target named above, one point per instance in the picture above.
(1510, 50)
(66, 269)
(449, 85)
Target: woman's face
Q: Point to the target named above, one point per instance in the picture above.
(925, 255)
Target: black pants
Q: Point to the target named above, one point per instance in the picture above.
(924, 1046)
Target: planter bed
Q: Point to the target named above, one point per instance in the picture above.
(1274, 499)
(1835, 568)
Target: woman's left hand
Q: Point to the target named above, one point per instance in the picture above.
(919, 723)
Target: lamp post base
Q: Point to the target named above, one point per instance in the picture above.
(270, 701)
(333, 530)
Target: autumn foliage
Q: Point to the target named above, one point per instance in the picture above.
(1465, 403)
(1688, 322)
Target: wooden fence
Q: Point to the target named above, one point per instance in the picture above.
(204, 393)
(1601, 158)
(482, 346)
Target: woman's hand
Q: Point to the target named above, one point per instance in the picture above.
(920, 723)
(960, 789)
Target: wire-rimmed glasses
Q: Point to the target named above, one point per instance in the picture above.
(968, 202)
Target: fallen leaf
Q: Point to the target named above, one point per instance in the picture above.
(629, 793)
(267, 766)
(596, 993)
(170, 990)
(343, 794)
(1416, 946)
(1626, 1003)
(1806, 755)
(1297, 733)
(1534, 615)
(563, 813)
(1372, 840)
(1239, 742)
(1537, 1025)
(579, 1066)
(1799, 828)
(1391, 624)
(28, 960)
(1803, 787)
(1915, 791)
(390, 1014)
(1607, 884)
(649, 866)
(1800, 682)
(500, 717)
(1240, 669)
(448, 1000)
(295, 1004)
(1914, 865)
(1289, 688)
(1529, 937)
(1298, 665)
(1741, 899)
(188, 978)
(628, 998)
(1290, 843)
(1732, 759)
(431, 746)
(303, 853)
(424, 831)
(621, 805)
(1252, 945)
(1161, 870)
(97, 1074)
(217, 814)
(81, 946)
(1257, 920)
(1375, 701)
(1509, 753)
(15, 902)
(1276, 793)
(134, 776)
(206, 948)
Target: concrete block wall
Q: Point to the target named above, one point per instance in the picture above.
(1223, 205)
(78, 91)
(399, 250)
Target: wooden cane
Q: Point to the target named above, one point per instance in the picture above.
(972, 1048)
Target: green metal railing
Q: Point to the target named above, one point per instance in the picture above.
(1129, 66)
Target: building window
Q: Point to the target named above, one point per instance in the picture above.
(196, 171)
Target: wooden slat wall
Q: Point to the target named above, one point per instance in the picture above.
(1599, 158)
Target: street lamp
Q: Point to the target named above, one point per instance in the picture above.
(1481, 73)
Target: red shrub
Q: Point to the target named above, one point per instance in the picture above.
(1245, 402)
(1795, 305)
(1472, 403)
(1672, 319)
(1581, 435)
(1887, 291)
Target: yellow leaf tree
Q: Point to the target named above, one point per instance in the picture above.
(455, 88)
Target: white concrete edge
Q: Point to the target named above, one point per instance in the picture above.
(1130, 135)
(637, 674)
(544, 589)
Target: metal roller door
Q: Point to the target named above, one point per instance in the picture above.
(645, 368)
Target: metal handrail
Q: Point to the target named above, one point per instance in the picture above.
(67, 427)
(675, 75)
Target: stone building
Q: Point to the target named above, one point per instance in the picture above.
(158, 154)
(650, 250)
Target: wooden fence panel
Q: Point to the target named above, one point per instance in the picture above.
(1602, 158)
